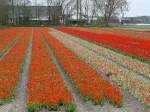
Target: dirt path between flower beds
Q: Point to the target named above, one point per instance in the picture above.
(21, 96)
(130, 103)
(81, 105)
(10, 46)
(22, 88)
(6, 107)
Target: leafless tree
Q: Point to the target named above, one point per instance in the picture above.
(49, 3)
(82, 9)
(52, 9)
(25, 10)
(67, 10)
(65, 6)
(109, 8)
(18, 10)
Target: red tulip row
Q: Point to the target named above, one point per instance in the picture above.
(46, 88)
(7, 36)
(135, 46)
(122, 32)
(90, 84)
(10, 68)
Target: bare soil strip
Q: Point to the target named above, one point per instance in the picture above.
(10, 46)
(20, 104)
(6, 107)
(130, 103)
(81, 105)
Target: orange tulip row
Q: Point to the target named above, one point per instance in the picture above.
(90, 84)
(7, 36)
(10, 68)
(46, 88)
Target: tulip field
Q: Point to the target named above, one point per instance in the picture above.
(71, 69)
(133, 46)
(10, 66)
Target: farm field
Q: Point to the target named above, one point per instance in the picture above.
(74, 69)
(137, 48)
(131, 32)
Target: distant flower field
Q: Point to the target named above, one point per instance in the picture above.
(135, 46)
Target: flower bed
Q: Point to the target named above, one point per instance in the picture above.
(46, 88)
(10, 68)
(90, 84)
(123, 32)
(7, 36)
(136, 84)
(124, 61)
(135, 46)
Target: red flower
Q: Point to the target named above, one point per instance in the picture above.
(135, 46)
(10, 64)
(46, 86)
(86, 79)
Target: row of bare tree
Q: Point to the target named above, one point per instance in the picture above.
(90, 9)
(77, 9)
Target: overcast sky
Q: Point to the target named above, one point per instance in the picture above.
(139, 8)
(136, 7)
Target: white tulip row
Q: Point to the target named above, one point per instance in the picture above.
(136, 84)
